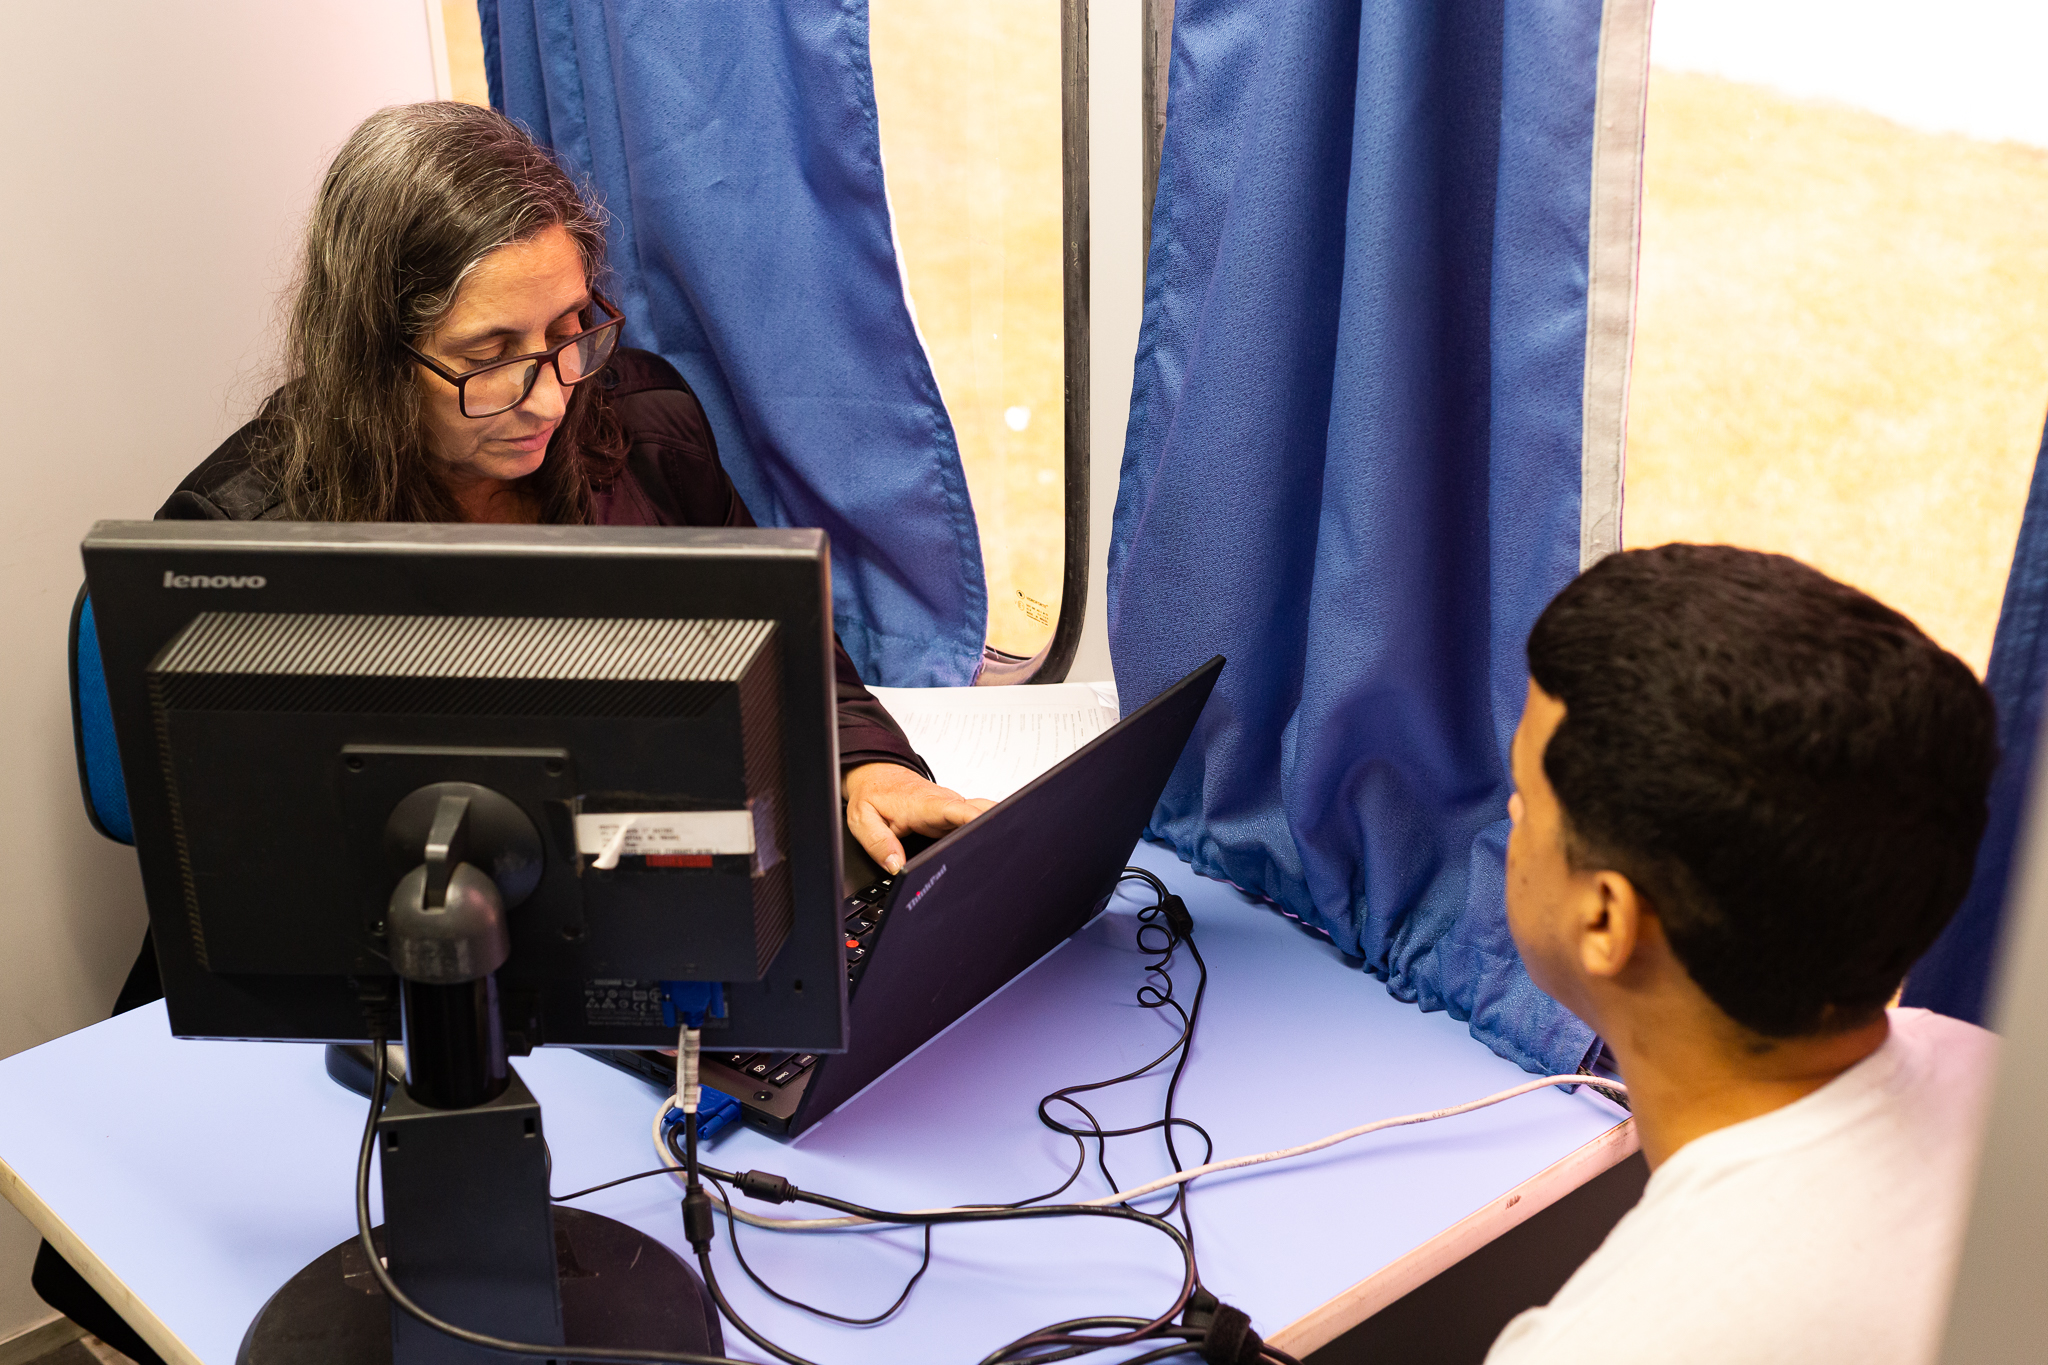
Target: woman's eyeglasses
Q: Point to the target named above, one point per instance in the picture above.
(504, 384)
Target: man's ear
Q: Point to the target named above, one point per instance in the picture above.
(1611, 925)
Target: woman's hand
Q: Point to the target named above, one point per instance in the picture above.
(887, 800)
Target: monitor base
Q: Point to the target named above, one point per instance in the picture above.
(620, 1288)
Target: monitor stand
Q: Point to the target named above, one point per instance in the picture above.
(477, 1204)
(469, 1231)
(619, 1288)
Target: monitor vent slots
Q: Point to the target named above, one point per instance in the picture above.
(454, 665)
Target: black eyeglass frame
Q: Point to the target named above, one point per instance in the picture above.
(551, 356)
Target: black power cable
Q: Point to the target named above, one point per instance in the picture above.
(732, 1230)
(622, 1180)
(673, 1138)
(1167, 916)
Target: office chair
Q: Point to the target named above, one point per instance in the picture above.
(92, 731)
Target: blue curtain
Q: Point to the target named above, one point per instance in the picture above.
(735, 146)
(1954, 976)
(1353, 463)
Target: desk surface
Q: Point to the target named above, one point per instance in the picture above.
(199, 1175)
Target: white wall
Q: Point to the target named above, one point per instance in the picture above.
(1116, 286)
(159, 159)
(1998, 1314)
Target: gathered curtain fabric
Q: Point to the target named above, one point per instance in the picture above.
(735, 148)
(1956, 975)
(1355, 462)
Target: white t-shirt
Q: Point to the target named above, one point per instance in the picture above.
(1827, 1230)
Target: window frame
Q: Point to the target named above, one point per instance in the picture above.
(1051, 663)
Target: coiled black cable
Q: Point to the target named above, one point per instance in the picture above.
(1167, 916)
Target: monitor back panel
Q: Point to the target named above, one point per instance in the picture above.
(265, 925)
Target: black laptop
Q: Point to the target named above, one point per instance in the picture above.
(966, 915)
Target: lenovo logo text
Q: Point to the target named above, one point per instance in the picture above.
(213, 580)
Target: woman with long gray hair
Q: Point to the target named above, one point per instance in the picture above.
(450, 358)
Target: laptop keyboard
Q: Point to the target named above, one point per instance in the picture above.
(862, 913)
(775, 1068)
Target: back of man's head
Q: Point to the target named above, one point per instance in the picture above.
(1789, 772)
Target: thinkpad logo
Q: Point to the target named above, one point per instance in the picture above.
(213, 580)
(925, 888)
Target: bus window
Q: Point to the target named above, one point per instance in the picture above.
(1840, 345)
(969, 93)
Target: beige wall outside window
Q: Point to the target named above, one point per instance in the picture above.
(969, 92)
(465, 39)
(1842, 330)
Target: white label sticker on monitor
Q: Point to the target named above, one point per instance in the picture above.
(657, 834)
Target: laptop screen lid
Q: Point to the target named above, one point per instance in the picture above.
(971, 912)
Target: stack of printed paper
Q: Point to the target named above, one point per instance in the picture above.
(990, 741)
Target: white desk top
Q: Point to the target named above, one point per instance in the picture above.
(198, 1176)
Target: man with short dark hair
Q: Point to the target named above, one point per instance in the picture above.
(1748, 797)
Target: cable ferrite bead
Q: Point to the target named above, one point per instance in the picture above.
(697, 1225)
(765, 1185)
(1177, 917)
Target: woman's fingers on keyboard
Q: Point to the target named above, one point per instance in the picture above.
(885, 801)
(872, 829)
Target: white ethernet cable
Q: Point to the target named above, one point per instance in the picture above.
(1182, 1177)
(1164, 1182)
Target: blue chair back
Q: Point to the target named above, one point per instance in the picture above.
(92, 731)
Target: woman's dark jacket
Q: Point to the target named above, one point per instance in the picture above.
(672, 477)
